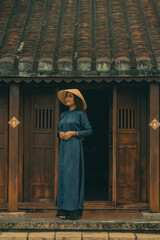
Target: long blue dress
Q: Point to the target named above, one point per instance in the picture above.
(70, 195)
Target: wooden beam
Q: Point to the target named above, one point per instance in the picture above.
(56, 141)
(13, 149)
(114, 185)
(154, 149)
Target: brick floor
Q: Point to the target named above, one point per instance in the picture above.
(77, 236)
(95, 236)
(13, 236)
(68, 236)
(122, 236)
(40, 235)
(148, 236)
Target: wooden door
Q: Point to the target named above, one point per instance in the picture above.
(3, 145)
(128, 146)
(110, 186)
(39, 147)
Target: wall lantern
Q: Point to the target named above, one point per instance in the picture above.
(14, 122)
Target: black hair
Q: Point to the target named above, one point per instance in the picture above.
(79, 103)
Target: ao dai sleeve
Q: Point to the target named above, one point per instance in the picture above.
(86, 128)
(58, 127)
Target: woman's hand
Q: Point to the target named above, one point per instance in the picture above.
(61, 134)
(66, 135)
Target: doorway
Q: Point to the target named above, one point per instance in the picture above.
(96, 146)
(39, 181)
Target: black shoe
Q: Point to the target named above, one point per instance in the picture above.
(75, 215)
(62, 213)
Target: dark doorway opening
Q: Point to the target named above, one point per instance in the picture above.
(96, 146)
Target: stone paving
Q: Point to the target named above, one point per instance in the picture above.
(93, 226)
(77, 236)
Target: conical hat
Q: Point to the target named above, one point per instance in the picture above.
(62, 96)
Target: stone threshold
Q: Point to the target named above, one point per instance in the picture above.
(82, 225)
(150, 215)
(12, 215)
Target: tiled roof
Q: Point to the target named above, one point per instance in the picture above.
(79, 38)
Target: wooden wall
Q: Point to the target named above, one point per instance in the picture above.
(39, 145)
(4, 145)
(128, 146)
(37, 149)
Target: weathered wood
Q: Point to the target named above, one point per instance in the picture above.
(114, 187)
(20, 149)
(3, 206)
(13, 149)
(110, 147)
(128, 141)
(39, 145)
(103, 205)
(3, 145)
(143, 144)
(27, 121)
(137, 125)
(37, 171)
(154, 149)
(56, 142)
(148, 144)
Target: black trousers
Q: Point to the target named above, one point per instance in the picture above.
(76, 214)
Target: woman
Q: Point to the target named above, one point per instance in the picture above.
(73, 125)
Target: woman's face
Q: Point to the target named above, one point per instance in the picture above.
(70, 99)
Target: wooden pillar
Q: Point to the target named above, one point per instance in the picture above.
(114, 186)
(13, 148)
(143, 144)
(154, 149)
(56, 141)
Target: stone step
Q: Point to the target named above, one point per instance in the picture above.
(77, 236)
(109, 225)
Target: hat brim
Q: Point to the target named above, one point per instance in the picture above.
(62, 96)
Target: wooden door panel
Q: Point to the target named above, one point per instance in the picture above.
(127, 193)
(128, 138)
(127, 166)
(110, 146)
(37, 166)
(43, 140)
(3, 175)
(41, 159)
(42, 167)
(42, 193)
(128, 145)
(49, 166)
(42, 146)
(3, 145)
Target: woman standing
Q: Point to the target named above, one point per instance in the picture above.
(73, 125)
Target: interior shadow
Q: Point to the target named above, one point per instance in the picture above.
(96, 146)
